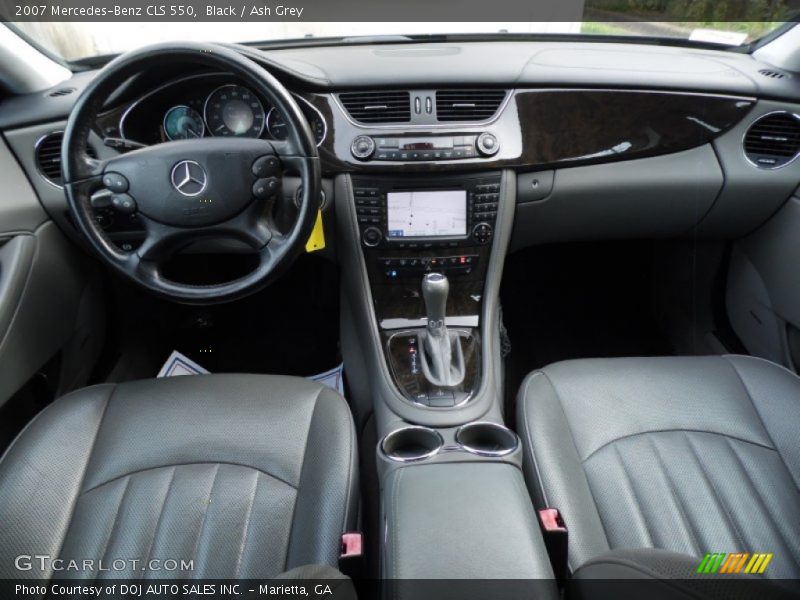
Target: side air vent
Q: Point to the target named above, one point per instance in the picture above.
(61, 92)
(772, 74)
(773, 140)
(48, 156)
(378, 107)
(468, 105)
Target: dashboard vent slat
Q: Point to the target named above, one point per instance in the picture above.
(61, 92)
(48, 156)
(378, 107)
(772, 74)
(468, 105)
(773, 140)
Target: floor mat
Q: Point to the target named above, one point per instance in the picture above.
(289, 328)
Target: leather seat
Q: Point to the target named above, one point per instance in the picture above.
(248, 476)
(689, 455)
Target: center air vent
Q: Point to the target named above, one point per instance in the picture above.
(378, 107)
(468, 105)
(48, 156)
(773, 140)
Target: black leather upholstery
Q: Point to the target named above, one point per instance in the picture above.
(690, 455)
(247, 475)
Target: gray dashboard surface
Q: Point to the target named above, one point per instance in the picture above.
(512, 63)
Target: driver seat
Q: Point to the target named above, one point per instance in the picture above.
(246, 475)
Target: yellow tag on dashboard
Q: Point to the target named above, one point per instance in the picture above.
(316, 240)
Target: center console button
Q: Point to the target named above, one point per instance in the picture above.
(371, 237)
(487, 144)
(482, 232)
(362, 147)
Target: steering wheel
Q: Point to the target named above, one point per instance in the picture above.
(188, 190)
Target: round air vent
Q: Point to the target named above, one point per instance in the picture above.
(48, 156)
(773, 140)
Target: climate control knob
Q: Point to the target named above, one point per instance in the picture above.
(362, 147)
(371, 237)
(487, 144)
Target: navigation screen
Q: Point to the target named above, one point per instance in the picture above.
(427, 214)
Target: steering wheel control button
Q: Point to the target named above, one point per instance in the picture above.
(124, 203)
(115, 182)
(487, 144)
(362, 147)
(265, 187)
(266, 166)
(101, 199)
(482, 232)
(371, 237)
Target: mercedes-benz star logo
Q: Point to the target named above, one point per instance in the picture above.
(189, 178)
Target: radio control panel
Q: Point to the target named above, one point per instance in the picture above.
(424, 148)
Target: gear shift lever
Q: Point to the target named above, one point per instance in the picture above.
(435, 288)
(442, 359)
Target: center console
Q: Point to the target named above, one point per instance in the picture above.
(456, 510)
(413, 226)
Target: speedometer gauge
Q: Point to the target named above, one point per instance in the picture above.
(233, 110)
(277, 129)
(183, 123)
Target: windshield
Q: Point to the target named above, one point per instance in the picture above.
(78, 40)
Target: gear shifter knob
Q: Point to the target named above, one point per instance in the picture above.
(435, 288)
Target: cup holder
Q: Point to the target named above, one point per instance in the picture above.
(411, 444)
(487, 439)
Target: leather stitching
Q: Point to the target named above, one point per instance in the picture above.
(247, 521)
(717, 499)
(760, 418)
(85, 468)
(527, 430)
(685, 520)
(776, 527)
(634, 496)
(187, 464)
(676, 430)
(353, 457)
(300, 480)
(205, 513)
(116, 519)
(161, 514)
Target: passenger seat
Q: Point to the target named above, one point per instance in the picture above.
(691, 455)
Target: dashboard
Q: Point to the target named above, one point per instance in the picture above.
(605, 141)
(205, 105)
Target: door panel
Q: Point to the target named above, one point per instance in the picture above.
(763, 295)
(43, 281)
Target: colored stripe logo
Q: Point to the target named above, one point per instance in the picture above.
(735, 562)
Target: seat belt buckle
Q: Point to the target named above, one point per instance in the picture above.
(556, 539)
(351, 555)
(352, 545)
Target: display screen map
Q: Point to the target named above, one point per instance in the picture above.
(427, 214)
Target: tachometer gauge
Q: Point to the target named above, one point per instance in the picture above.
(276, 126)
(183, 123)
(233, 110)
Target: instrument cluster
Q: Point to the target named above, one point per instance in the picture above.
(206, 106)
